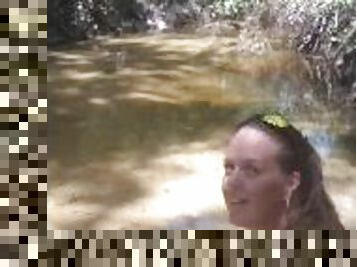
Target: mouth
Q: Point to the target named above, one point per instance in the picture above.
(238, 202)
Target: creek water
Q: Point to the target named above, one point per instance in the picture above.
(137, 126)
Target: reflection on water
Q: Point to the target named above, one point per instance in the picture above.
(137, 125)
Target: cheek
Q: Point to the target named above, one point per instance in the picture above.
(268, 191)
(261, 191)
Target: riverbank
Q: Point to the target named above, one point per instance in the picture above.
(321, 32)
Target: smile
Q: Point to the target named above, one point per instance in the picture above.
(239, 202)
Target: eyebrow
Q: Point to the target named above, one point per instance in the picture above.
(245, 161)
(251, 160)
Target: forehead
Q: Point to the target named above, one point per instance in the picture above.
(253, 144)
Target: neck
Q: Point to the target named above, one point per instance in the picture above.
(278, 220)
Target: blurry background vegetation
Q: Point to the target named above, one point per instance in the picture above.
(322, 31)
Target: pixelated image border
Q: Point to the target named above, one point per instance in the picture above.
(25, 240)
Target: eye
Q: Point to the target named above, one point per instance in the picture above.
(229, 168)
(251, 171)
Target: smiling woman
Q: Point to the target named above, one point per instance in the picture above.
(273, 178)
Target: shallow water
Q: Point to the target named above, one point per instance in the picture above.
(137, 126)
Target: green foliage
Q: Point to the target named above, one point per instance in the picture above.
(231, 8)
(326, 37)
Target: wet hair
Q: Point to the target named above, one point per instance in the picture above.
(310, 207)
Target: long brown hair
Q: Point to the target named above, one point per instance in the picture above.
(310, 207)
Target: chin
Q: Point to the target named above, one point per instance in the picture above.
(240, 222)
(248, 223)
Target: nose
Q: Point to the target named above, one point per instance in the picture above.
(231, 185)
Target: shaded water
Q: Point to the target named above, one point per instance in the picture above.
(137, 126)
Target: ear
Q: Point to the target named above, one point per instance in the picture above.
(293, 183)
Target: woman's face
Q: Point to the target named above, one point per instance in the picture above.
(254, 186)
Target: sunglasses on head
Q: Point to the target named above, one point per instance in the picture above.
(275, 119)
